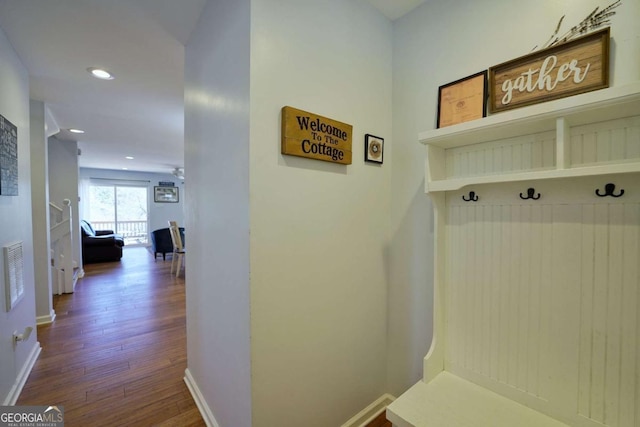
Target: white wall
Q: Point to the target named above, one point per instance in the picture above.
(159, 213)
(319, 231)
(63, 184)
(437, 43)
(217, 206)
(334, 251)
(40, 212)
(15, 225)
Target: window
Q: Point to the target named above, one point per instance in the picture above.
(122, 208)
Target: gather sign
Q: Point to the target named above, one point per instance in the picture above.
(578, 66)
(309, 135)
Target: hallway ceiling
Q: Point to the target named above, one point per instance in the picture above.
(140, 112)
(141, 42)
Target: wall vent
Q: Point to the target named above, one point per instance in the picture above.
(14, 280)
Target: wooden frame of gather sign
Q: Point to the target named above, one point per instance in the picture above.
(571, 68)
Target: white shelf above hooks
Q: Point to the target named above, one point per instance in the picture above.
(543, 141)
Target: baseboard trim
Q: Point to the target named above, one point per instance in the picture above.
(15, 391)
(45, 320)
(204, 409)
(364, 417)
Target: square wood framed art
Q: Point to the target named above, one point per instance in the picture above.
(463, 100)
(373, 149)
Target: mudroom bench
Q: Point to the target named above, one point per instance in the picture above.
(536, 272)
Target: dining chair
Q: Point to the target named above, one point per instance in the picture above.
(178, 248)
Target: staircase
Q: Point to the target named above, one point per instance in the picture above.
(64, 270)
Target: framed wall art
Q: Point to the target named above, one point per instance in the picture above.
(310, 135)
(8, 158)
(373, 149)
(166, 194)
(463, 100)
(567, 69)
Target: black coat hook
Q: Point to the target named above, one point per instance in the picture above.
(473, 197)
(608, 191)
(530, 194)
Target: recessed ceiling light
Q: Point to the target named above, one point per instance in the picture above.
(125, 169)
(73, 130)
(129, 158)
(100, 73)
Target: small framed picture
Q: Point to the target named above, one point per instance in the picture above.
(165, 194)
(373, 149)
(463, 100)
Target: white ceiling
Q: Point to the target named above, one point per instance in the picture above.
(140, 112)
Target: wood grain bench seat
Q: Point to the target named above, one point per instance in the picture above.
(450, 401)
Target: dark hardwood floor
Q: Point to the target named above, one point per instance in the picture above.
(116, 353)
(380, 421)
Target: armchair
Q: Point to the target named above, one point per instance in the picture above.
(100, 245)
(161, 242)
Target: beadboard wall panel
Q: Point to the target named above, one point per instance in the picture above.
(606, 142)
(523, 153)
(543, 296)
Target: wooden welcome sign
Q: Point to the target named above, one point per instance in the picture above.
(309, 135)
(578, 66)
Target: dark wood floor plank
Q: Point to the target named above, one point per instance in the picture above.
(116, 353)
(380, 421)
